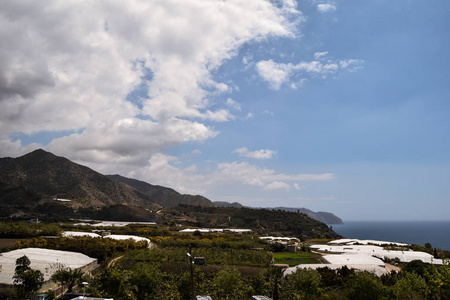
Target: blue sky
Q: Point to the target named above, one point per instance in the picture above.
(337, 106)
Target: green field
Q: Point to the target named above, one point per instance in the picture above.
(299, 258)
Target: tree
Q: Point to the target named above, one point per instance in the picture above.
(144, 281)
(366, 286)
(305, 283)
(409, 286)
(275, 274)
(111, 283)
(27, 280)
(438, 279)
(67, 277)
(228, 283)
(416, 266)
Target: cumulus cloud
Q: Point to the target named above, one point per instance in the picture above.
(130, 79)
(258, 154)
(72, 66)
(277, 74)
(121, 141)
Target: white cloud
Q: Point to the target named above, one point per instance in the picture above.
(122, 141)
(161, 169)
(233, 104)
(277, 185)
(277, 74)
(327, 7)
(319, 55)
(70, 65)
(252, 175)
(258, 154)
(351, 64)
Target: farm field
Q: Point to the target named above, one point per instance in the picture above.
(293, 259)
(6, 243)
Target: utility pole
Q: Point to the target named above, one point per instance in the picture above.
(192, 272)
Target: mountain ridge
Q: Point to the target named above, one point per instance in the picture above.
(322, 216)
(40, 177)
(166, 197)
(50, 176)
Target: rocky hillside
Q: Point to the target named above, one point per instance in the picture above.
(41, 175)
(164, 196)
(322, 216)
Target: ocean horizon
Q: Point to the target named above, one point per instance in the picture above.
(437, 233)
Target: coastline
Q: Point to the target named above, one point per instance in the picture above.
(412, 232)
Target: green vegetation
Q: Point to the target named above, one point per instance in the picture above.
(67, 277)
(230, 283)
(237, 267)
(272, 222)
(99, 248)
(299, 258)
(26, 280)
(25, 230)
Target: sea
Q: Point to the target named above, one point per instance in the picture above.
(437, 233)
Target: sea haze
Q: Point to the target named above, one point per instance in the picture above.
(437, 233)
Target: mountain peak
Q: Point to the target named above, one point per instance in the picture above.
(37, 156)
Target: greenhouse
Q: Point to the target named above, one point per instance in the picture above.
(45, 260)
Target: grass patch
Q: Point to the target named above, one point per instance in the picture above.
(299, 258)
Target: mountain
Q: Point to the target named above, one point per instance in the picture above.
(30, 183)
(41, 176)
(164, 196)
(322, 216)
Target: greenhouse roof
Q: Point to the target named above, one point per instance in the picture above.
(46, 260)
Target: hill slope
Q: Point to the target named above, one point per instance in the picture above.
(322, 216)
(164, 196)
(41, 174)
(263, 221)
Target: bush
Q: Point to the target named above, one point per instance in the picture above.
(278, 247)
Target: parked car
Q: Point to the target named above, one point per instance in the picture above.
(42, 297)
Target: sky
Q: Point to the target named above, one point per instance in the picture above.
(338, 106)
